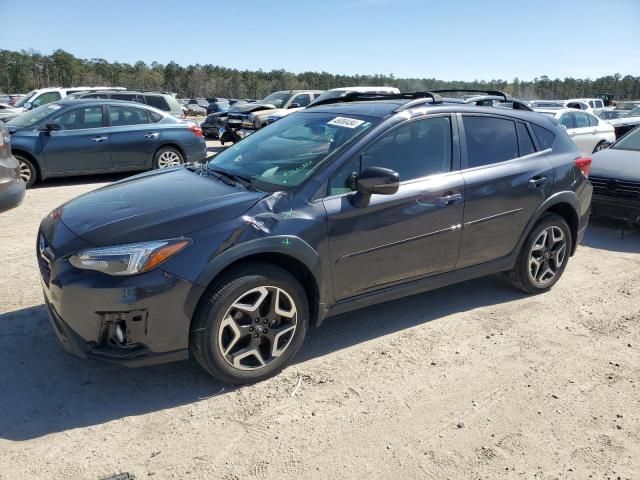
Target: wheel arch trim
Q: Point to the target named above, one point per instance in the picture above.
(284, 247)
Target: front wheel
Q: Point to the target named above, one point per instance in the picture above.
(167, 157)
(544, 255)
(250, 325)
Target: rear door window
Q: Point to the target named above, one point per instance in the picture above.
(593, 121)
(121, 115)
(525, 143)
(489, 140)
(302, 99)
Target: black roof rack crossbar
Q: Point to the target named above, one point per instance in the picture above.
(515, 103)
(366, 97)
(497, 93)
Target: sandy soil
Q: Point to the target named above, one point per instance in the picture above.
(471, 381)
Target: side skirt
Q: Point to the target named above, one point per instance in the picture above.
(417, 286)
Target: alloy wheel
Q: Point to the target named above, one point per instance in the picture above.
(547, 255)
(25, 171)
(257, 328)
(169, 158)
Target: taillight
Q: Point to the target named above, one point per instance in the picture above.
(197, 130)
(584, 164)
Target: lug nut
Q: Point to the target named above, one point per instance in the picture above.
(251, 329)
(257, 320)
(265, 330)
(255, 335)
(265, 321)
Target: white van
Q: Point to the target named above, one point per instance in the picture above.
(42, 96)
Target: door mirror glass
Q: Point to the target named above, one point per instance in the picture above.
(294, 105)
(27, 106)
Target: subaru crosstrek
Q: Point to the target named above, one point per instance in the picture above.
(357, 201)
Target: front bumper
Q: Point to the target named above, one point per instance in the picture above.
(618, 208)
(86, 308)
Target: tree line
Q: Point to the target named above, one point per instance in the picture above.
(23, 71)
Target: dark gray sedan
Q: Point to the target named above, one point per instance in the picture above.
(11, 185)
(615, 175)
(86, 136)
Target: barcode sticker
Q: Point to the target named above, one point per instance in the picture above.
(345, 122)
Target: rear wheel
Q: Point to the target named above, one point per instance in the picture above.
(28, 171)
(252, 322)
(544, 255)
(167, 157)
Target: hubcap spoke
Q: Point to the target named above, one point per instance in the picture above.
(257, 328)
(547, 255)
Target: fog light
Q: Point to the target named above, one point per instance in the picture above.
(120, 333)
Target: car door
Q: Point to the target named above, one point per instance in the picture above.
(134, 139)
(80, 145)
(410, 234)
(505, 182)
(583, 134)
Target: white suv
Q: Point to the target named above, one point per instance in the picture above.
(42, 96)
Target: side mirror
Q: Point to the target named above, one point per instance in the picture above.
(294, 105)
(375, 180)
(50, 127)
(27, 106)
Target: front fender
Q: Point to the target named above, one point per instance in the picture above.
(288, 245)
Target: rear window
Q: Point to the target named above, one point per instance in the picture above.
(545, 137)
(157, 101)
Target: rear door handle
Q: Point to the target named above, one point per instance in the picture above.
(537, 182)
(152, 135)
(99, 139)
(451, 199)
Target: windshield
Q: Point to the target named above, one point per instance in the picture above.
(285, 153)
(27, 98)
(634, 113)
(32, 117)
(278, 99)
(631, 141)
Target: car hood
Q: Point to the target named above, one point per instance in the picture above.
(616, 163)
(251, 107)
(156, 205)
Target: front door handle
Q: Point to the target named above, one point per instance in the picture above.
(99, 139)
(450, 199)
(152, 135)
(537, 182)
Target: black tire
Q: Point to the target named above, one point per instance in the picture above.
(521, 276)
(600, 146)
(205, 341)
(164, 155)
(26, 164)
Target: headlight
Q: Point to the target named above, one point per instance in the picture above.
(128, 259)
(249, 121)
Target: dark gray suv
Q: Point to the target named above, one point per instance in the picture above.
(352, 202)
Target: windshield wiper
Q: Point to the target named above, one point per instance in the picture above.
(228, 177)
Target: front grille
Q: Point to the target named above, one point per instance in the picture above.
(612, 187)
(45, 258)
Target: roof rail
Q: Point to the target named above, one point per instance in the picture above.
(417, 97)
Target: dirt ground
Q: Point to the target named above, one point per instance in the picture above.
(470, 381)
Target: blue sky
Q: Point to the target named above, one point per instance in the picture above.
(448, 39)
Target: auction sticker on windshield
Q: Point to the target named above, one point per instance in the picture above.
(345, 122)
